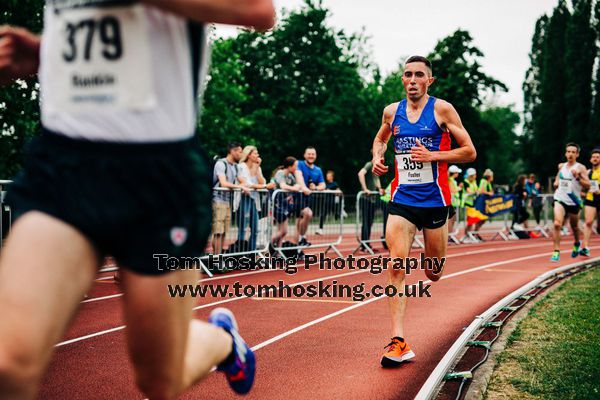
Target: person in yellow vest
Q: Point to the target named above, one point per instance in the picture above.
(592, 201)
(470, 191)
(455, 189)
(485, 188)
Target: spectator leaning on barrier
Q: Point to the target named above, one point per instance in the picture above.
(225, 175)
(470, 191)
(455, 190)
(310, 178)
(250, 204)
(371, 185)
(533, 188)
(285, 203)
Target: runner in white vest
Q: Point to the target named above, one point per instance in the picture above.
(116, 171)
(569, 182)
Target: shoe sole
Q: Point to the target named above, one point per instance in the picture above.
(388, 362)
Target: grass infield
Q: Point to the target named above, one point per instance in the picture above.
(554, 353)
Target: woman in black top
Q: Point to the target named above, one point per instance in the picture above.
(520, 214)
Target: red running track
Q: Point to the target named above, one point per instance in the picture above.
(324, 348)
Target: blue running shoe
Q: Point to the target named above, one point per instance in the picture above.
(575, 251)
(555, 256)
(240, 372)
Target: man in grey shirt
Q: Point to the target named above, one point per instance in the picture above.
(225, 175)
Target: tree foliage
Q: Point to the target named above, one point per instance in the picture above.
(19, 110)
(302, 84)
(461, 81)
(580, 54)
(297, 86)
(561, 88)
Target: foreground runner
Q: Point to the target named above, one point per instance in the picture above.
(421, 126)
(592, 201)
(569, 182)
(116, 171)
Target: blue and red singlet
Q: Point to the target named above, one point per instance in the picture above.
(419, 184)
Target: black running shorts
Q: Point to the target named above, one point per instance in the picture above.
(131, 201)
(422, 217)
(568, 209)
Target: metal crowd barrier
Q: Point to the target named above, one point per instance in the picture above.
(506, 230)
(453, 235)
(543, 228)
(318, 218)
(240, 225)
(371, 218)
(5, 213)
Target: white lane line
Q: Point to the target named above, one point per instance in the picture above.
(301, 267)
(112, 296)
(364, 303)
(311, 281)
(79, 339)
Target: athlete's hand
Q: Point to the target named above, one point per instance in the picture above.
(19, 54)
(575, 172)
(419, 153)
(379, 168)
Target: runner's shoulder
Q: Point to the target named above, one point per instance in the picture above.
(389, 112)
(443, 107)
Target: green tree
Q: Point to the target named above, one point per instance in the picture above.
(461, 81)
(594, 126)
(301, 85)
(551, 125)
(531, 88)
(222, 119)
(504, 160)
(580, 53)
(19, 110)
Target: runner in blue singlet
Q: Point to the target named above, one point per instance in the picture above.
(421, 126)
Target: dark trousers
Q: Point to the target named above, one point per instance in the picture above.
(367, 210)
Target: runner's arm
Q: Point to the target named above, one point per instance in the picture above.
(556, 177)
(449, 120)
(19, 54)
(361, 178)
(584, 181)
(381, 139)
(257, 13)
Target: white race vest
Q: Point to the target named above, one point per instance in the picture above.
(569, 189)
(119, 71)
(102, 61)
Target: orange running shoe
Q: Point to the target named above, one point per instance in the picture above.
(398, 351)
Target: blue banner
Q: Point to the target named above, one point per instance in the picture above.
(497, 204)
